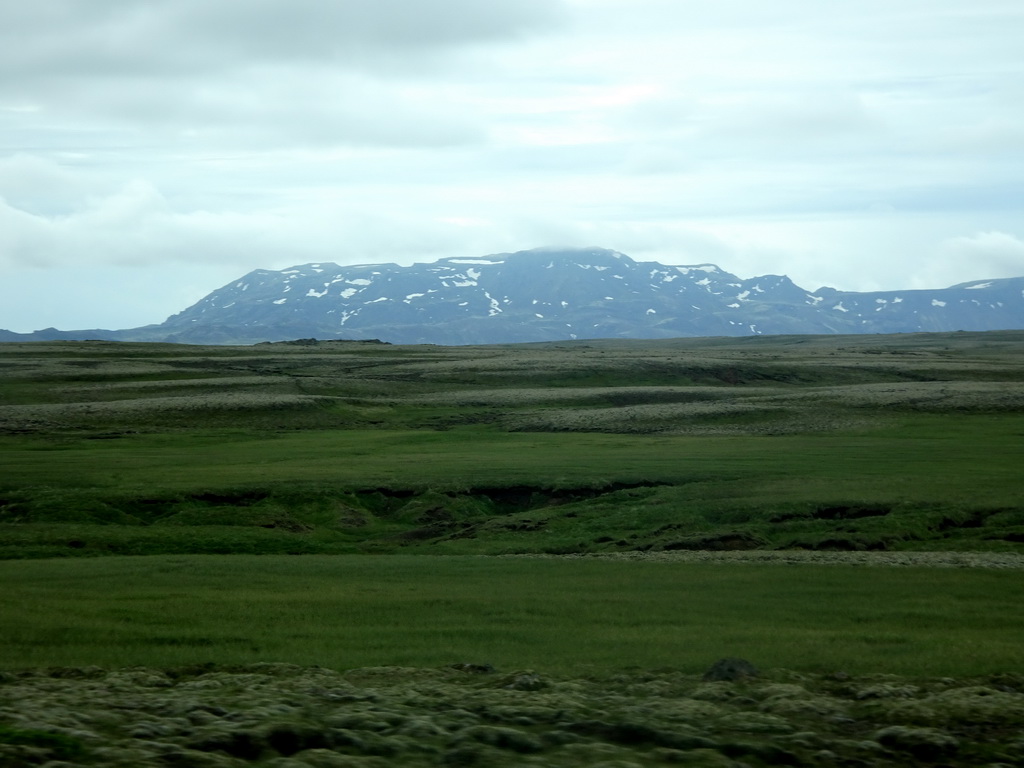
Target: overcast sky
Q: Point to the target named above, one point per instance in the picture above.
(151, 152)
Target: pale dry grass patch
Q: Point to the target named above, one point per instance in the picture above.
(515, 396)
(661, 417)
(513, 364)
(937, 395)
(230, 401)
(40, 368)
(212, 381)
(709, 410)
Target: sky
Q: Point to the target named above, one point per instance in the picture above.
(151, 152)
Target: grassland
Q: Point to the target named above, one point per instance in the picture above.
(556, 615)
(879, 443)
(660, 505)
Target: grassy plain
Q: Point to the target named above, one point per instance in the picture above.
(153, 499)
(886, 443)
(556, 616)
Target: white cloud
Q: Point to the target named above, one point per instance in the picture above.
(40, 185)
(132, 226)
(190, 75)
(977, 257)
(64, 39)
(855, 145)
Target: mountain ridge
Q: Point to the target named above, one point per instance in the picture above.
(553, 294)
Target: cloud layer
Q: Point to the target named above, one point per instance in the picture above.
(173, 145)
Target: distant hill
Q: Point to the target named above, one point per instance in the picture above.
(549, 295)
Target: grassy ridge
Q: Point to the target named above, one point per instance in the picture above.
(557, 616)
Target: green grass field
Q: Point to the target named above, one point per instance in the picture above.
(925, 481)
(556, 616)
(173, 517)
(356, 450)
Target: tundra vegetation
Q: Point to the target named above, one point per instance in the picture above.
(580, 528)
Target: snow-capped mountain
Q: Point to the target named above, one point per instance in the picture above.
(557, 294)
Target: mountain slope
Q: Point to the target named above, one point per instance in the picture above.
(553, 294)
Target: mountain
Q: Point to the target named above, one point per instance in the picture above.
(554, 294)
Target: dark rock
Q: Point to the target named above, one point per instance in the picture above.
(730, 670)
(527, 681)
